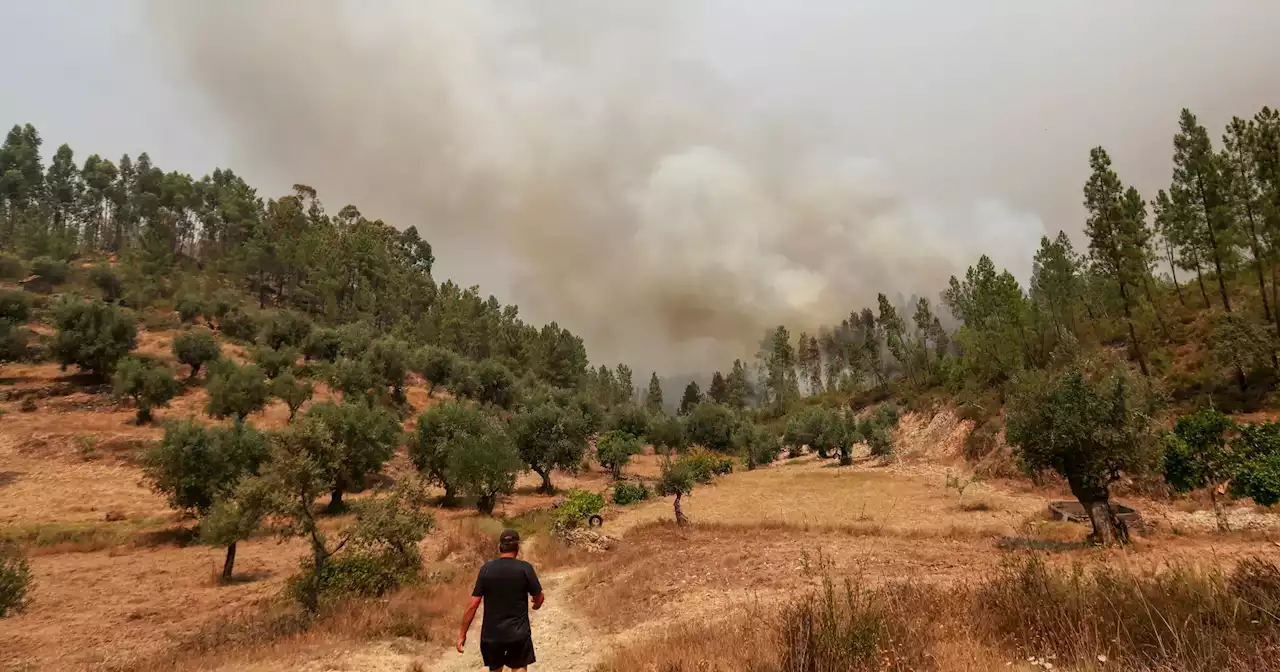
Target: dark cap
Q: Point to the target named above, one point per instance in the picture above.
(509, 537)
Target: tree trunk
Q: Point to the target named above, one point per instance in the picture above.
(1257, 263)
(1224, 524)
(1133, 333)
(1200, 279)
(680, 519)
(1146, 284)
(1107, 528)
(450, 497)
(312, 600)
(230, 562)
(546, 487)
(485, 504)
(1213, 243)
(335, 501)
(1173, 268)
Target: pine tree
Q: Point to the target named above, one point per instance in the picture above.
(1114, 247)
(626, 391)
(719, 389)
(1166, 228)
(811, 363)
(692, 397)
(653, 398)
(780, 363)
(1198, 174)
(1245, 192)
(739, 384)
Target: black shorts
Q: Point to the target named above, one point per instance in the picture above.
(514, 655)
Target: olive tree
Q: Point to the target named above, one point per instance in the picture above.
(1089, 431)
(276, 361)
(293, 391)
(388, 360)
(286, 328)
(485, 463)
(667, 435)
(630, 419)
(196, 348)
(436, 364)
(441, 429)
(676, 480)
(758, 445)
(235, 391)
(614, 451)
(362, 439)
(710, 426)
(150, 383)
(92, 335)
(197, 467)
(549, 436)
(322, 344)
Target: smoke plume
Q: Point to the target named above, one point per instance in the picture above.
(671, 178)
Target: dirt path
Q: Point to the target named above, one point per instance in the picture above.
(563, 641)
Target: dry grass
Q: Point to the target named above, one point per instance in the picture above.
(1181, 618)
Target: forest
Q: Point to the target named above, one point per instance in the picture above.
(1120, 363)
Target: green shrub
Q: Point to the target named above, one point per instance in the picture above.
(196, 348)
(276, 362)
(704, 465)
(626, 492)
(14, 306)
(576, 507)
(323, 345)
(56, 272)
(356, 573)
(108, 282)
(189, 307)
(235, 391)
(13, 341)
(238, 325)
(632, 420)
(286, 328)
(711, 426)
(92, 335)
(149, 382)
(11, 267)
(15, 579)
(615, 449)
(436, 364)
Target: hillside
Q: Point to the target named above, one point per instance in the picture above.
(241, 433)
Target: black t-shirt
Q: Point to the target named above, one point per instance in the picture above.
(506, 585)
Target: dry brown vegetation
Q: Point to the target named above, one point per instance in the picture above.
(120, 585)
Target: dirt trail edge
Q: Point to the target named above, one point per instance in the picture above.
(563, 641)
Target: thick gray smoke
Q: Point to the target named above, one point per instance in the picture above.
(670, 178)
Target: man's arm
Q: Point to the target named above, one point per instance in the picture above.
(468, 616)
(535, 588)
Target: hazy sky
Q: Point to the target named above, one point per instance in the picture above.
(666, 177)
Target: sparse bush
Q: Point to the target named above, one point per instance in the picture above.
(238, 325)
(275, 362)
(189, 307)
(108, 283)
(15, 579)
(28, 405)
(14, 306)
(323, 344)
(286, 328)
(710, 426)
(92, 335)
(626, 492)
(196, 348)
(235, 391)
(56, 272)
(292, 391)
(11, 267)
(615, 449)
(150, 383)
(13, 341)
(576, 507)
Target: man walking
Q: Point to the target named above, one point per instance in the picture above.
(505, 585)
